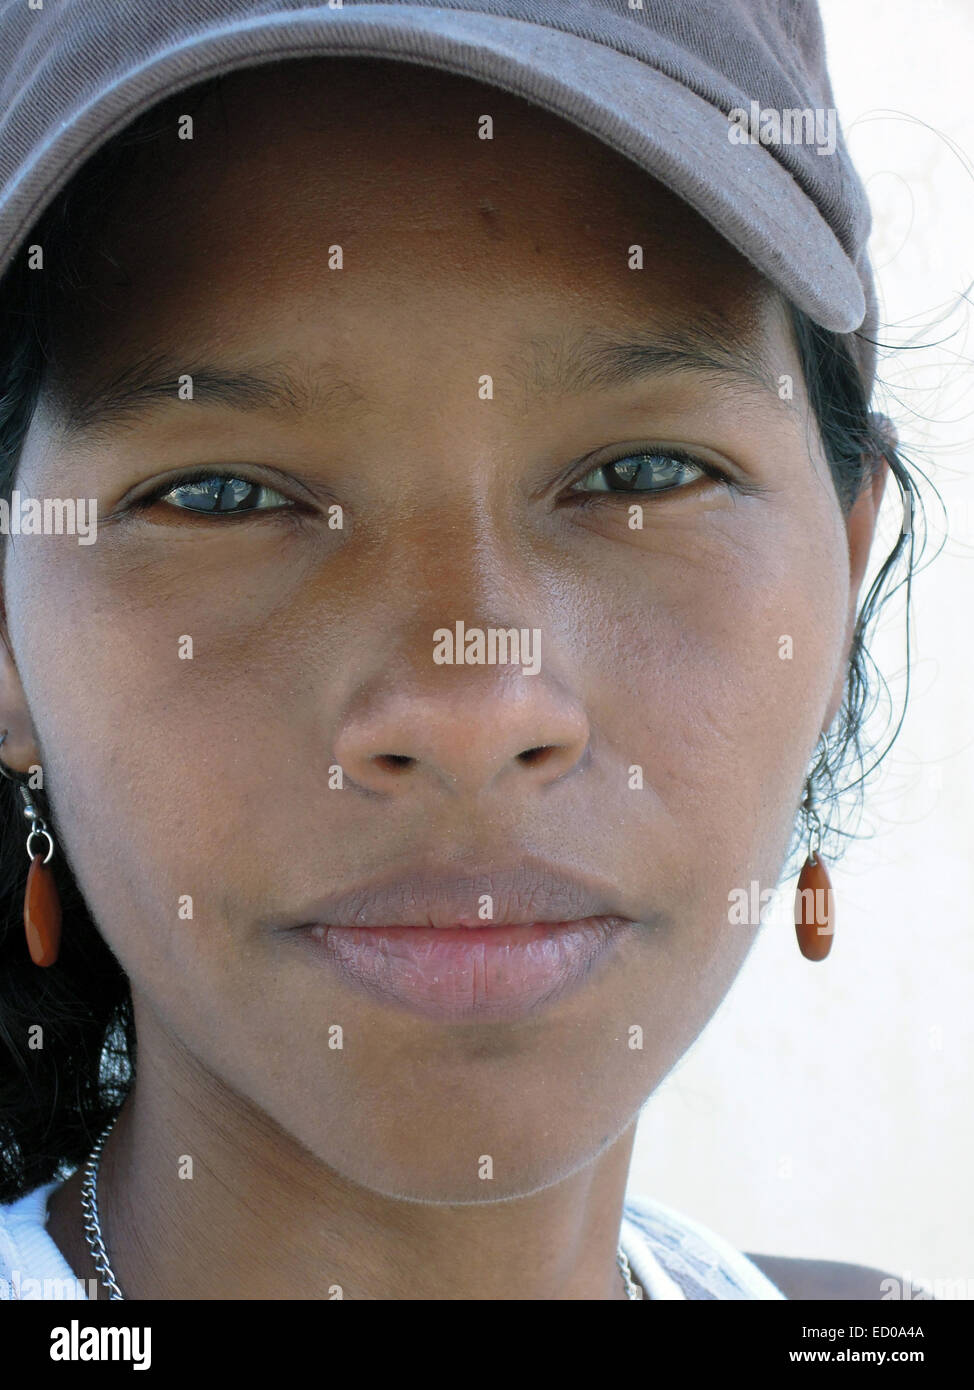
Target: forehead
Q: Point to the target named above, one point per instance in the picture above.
(237, 227)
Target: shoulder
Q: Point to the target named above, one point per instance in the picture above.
(825, 1279)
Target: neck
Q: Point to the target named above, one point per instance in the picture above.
(198, 1192)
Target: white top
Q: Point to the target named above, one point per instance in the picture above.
(670, 1255)
(673, 1256)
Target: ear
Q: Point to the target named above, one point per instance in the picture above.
(861, 528)
(19, 751)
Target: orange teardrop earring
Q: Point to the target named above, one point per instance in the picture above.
(42, 906)
(814, 899)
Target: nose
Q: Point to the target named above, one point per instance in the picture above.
(464, 729)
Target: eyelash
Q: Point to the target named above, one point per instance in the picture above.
(586, 497)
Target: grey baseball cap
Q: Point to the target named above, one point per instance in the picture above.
(726, 102)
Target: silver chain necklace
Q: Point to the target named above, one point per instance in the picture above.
(89, 1205)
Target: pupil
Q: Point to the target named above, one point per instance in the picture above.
(626, 473)
(230, 492)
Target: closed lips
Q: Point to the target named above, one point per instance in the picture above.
(493, 946)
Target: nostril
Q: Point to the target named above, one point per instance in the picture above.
(531, 756)
(393, 762)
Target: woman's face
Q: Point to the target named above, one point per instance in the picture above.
(440, 307)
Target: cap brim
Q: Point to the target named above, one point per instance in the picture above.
(662, 126)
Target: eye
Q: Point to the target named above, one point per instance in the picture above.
(652, 470)
(223, 493)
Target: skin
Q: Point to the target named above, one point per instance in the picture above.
(315, 1167)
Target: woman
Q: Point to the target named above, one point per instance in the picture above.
(475, 590)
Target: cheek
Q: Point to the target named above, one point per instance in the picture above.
(717, 655)
(145, 754)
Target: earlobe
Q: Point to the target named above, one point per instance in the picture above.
(20, 748)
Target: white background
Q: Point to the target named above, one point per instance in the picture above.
(826, 1109)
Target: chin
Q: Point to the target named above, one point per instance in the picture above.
(465, 1171)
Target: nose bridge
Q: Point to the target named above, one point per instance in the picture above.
(461, 690)
(453, 560)
(449, 534)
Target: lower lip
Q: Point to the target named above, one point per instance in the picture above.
(484, 973)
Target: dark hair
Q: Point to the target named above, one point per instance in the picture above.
(55, 1099)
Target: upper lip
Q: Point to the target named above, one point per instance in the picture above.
(526, 893)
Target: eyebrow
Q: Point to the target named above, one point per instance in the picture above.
(154, 381)
(592, 360)
(567, 365)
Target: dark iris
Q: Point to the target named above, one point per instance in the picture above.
(652, 472)
(217, 494)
